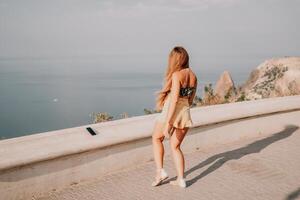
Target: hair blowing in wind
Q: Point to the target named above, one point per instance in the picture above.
(178, 59)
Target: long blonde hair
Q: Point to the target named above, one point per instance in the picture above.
(178, 59)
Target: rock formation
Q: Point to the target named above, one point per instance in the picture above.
(272, 78)
(225, 88)
(223, 92)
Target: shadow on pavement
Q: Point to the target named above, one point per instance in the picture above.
(293, 195)
(235, 154)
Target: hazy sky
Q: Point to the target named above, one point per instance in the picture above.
(87, 28)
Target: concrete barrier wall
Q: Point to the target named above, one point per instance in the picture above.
(33, 165)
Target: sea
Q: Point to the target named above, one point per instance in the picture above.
(45, 94)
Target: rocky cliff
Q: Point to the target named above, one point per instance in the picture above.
(272, 78)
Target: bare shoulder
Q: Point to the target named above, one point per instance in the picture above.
(176, 75)
(193, 74)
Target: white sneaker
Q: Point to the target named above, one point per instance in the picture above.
(163, 176)
(180, 182)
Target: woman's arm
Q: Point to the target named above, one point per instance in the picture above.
(175, 88)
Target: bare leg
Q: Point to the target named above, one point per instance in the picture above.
(178, 158)
(158, 148)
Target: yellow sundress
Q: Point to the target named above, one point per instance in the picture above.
(182, 116)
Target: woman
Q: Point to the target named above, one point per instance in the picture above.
(175, 99)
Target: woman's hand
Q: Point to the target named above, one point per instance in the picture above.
(167, 130)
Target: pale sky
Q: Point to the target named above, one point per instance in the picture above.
(87, 28)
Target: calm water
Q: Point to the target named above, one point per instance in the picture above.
(43, 95)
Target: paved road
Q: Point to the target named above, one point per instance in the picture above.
(261, 169)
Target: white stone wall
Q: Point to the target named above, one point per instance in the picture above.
(35, 164)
